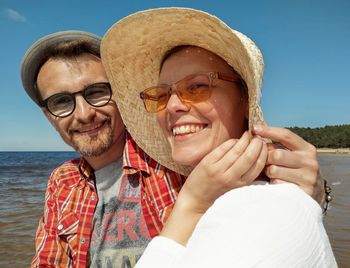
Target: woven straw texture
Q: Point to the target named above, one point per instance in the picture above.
(133, 48)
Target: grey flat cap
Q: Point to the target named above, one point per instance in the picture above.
(34, 56)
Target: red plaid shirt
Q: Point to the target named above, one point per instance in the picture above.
(63, 235)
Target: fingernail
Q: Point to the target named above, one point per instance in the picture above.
(257, 128)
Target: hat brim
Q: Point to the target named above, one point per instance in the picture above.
(33, 58)
(132, 51)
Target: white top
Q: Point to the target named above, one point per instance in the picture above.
(253, 226)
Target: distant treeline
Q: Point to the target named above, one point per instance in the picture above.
(325, 137)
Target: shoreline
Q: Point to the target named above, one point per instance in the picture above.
(333, 151)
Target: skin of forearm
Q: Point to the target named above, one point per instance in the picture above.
(182, 221)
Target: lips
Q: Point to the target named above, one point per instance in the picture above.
(90, 129)
(185, 129)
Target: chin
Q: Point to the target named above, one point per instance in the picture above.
(187, 158)
(93, 151)
(93, 147)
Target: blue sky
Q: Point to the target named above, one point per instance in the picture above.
(306, 46)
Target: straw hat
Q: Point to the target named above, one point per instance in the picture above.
(132, 51)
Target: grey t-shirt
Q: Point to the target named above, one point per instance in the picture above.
(119, 233)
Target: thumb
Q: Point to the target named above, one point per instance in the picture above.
(276, 181)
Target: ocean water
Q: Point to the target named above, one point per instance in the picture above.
(336, 169)
(23, 180)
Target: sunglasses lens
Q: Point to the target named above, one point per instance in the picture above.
(156, 98)
(194, 89)
(98, 94)
(60, 104)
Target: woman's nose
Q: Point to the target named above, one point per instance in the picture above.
(175, 104)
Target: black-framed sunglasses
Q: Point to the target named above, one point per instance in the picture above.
(191, 89)
(63, 104)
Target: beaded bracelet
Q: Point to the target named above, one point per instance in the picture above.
(327, 198)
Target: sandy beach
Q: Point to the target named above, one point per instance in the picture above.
(333, 151)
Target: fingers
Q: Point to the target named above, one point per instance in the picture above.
(283, 173)
(232, 147)
(230, 157)
(257, 167)
(247, 160)
(296, 163)
(219, 152)
(276, 181)
(285, 158)
(284, 136)
(279, 174)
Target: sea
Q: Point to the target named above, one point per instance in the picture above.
(23, 180)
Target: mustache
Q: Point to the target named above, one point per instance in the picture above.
(105, 120)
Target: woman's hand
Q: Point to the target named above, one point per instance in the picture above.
(233, 164)
(292, 159)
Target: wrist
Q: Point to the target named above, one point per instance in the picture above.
(184, 215)
(327, 197)
(189, 203)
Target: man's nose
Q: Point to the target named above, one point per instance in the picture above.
(84, 112)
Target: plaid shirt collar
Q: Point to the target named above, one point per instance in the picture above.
(86, 169)
(134, 159)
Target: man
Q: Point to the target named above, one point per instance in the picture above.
(93, 214)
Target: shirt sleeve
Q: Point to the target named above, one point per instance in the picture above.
(161, 252)
(261, 226)
(47, 250)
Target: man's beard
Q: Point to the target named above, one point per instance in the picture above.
(94, 146)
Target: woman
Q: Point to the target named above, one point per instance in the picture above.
(203, 81)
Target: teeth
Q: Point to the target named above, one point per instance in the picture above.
(182, 130)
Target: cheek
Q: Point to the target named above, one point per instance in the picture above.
(228, 114)
(117, 120)
(207, 108)
(161, 119)
(60, 124)
(235, 122)
(62, 127)
(111, 113)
